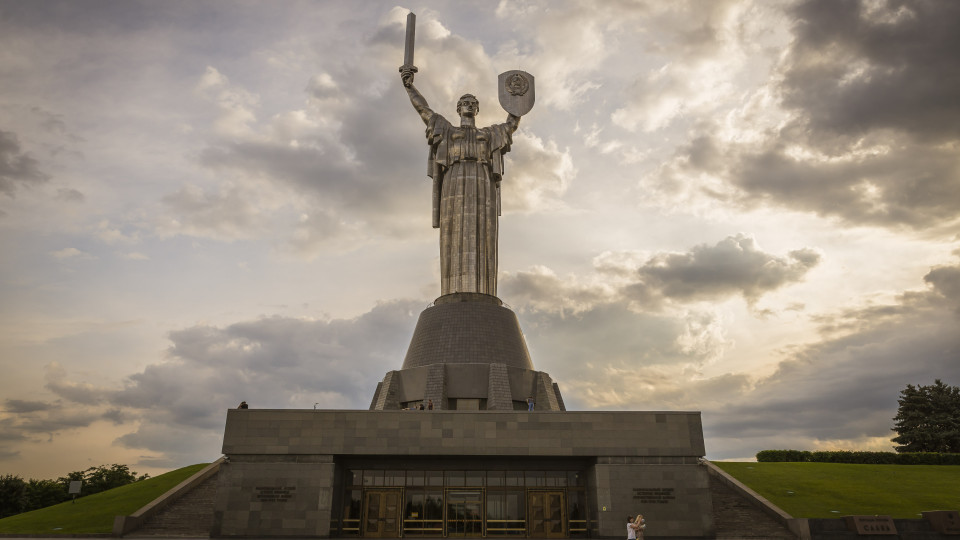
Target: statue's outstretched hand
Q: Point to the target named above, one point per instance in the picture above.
(406, 75)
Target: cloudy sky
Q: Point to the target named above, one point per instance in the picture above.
(751, 209)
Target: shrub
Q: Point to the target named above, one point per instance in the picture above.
(872, 458)
(783, 456)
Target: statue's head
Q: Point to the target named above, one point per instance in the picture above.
(468, 105)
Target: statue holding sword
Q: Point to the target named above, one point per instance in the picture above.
(466, 165)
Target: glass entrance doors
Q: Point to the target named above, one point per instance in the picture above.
(381, 511)
(546, 514)
(464, 512)
(439, 503)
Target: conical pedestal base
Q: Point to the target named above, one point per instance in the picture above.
(467, 353)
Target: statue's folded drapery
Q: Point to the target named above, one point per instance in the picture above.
(466, 164)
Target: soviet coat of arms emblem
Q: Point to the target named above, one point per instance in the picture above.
(516, 92)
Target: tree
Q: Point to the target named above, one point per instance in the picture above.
(43, 493)
(102, 478)
(17, 496)
(928, 419)
(13, 491)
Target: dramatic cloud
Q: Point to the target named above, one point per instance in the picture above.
(23, 406)
(734, 266)
(178, 405)
(839, 392)
(538, 174)
(859, 67)
(16, 167)
(877, 350)
(873, 86)
(859, 122)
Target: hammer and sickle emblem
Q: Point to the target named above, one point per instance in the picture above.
(517, 85)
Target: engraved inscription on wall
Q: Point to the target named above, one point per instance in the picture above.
(275, 493)
(653, 495)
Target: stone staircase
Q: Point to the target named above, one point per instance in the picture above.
(736, 517)
(188, 516)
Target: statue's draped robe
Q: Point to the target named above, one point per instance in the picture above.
(466, 164)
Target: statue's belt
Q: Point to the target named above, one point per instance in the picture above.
(478, 160)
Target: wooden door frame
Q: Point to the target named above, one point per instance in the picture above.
(382, 491)
(564, 533)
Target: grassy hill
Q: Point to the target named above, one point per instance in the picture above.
(95, 513)
(830, 490)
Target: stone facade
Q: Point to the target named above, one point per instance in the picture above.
(282, 465)
(274, 495)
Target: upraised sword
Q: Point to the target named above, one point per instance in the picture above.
(408, 43)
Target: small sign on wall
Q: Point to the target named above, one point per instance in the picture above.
(871, 524)
(275, 493)
(653, 495)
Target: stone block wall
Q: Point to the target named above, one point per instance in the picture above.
(673, 498)
(477, 433)
(274, 496)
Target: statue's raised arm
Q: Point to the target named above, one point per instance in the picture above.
(416, 98)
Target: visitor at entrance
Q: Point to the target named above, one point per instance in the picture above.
(530, 403)
(429, 404)
(639, 524)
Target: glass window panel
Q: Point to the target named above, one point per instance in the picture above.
(433, 505)
(535, 478)
(556, 478)
(495, 478)
(516, 505)
(506, 512)
(434, 478)
(577, 513)
(575, 509)
(454, 478)
(474, 478)
(413, 506)
(393, 478)
(574, 478)
(413, 512)
(514, 478)
(414, 478)
(369, 477)
(495, 505)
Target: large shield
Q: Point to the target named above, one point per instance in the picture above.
(516, 92)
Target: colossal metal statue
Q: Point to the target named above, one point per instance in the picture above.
(466, 165)
(467, 351)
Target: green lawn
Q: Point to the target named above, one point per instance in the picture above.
(95, 513)
(829, 490)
